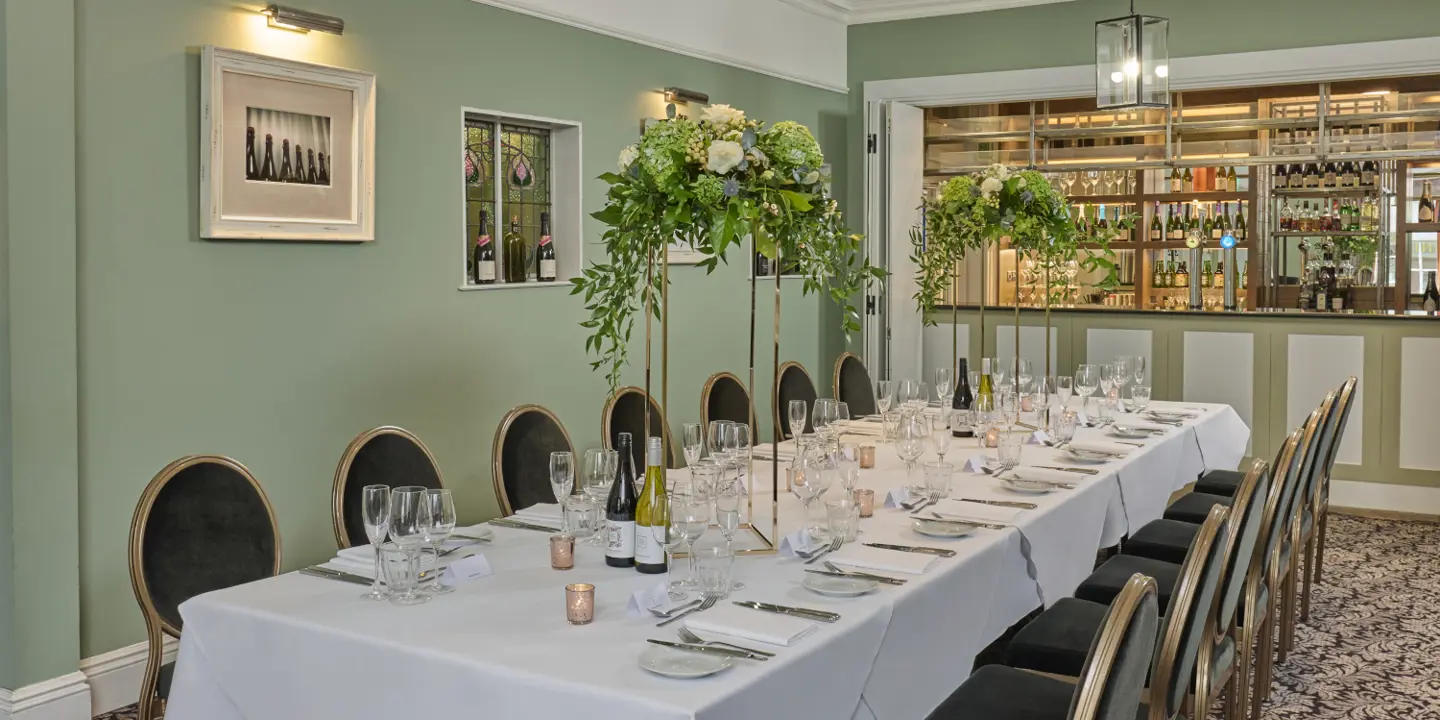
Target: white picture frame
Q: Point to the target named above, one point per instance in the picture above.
(231, 197)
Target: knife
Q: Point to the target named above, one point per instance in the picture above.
(710, 649)
(503, 522)
(328, 574)
(832, 567)
(1001, 503)
(957, 520)
(1082, 471)
(913, 549)
(857, 576)
(820, 615)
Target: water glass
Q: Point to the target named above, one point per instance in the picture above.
(840, 513)
(937, 479)
(691, 442)
(797, 418)
(910, 440)
(1009, 450)
(580, 517)
(713, 566)
(1065, 426)
(402, 569)
(1141, 396)
(375, 512)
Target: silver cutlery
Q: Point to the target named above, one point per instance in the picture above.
(328, 574)
(820, 615)
(915, 503)
(848, 576)
(712, 650)
(672, 611)
(1001, 503)
(1123, 442)
(709, 602)
(452, 551)
(1082, 471)
(516, 524)
(913, 549)
(957, 520)
(832, 547)
(993, 472)
(927, 502)
(863, 575)
(693, 639)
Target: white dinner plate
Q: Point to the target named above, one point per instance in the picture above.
(1028, 487)
(674, 663)
(935, 528)
(1088, 456)
(1130, 433)
(838, 586)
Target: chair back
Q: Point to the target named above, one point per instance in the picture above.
(1247, 510)
(853, 386)
(725, 397)
(1190, 612)
(202, 524)
(386, 455)
(794, 384)
(1112, 682)
(625, 413)
(520, 457)
(1317, 445)
(1343, 402)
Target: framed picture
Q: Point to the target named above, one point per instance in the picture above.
(288, 149)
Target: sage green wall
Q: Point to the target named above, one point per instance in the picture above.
(279, 353)
(7, 579)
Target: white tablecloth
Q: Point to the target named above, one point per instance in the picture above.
(302, 648)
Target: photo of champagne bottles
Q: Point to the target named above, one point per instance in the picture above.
(287, 147)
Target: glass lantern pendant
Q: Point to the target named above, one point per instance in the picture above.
(1132, 61)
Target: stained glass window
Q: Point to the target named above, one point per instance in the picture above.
(479, 160)
(507, 174)
(525, 152)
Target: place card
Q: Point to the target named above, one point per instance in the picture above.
(1083, 420)
(897, 496)
(1039, 437)
(467, 569)
(656, 597)
(794, 543)
(976, 464)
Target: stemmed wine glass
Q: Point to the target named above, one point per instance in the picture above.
(408, 521)
(1000, 374)
(807, 481)
(1024, 375)
(689, 518)
(911, 440)
(884, 396)
(1108, 377)
(716, 440)
(662, 532)
(600, 465)
(1138, 366)
(907, 392)
(562, 483)
(727, 516)
(842, 416)
(940, 432)
(848, 461)
(692, 442)
(1009, 409)
(944, 377)
(1046, 397)
(797, 418)
(1065, 388)
(741, 450)
(375, 511)
(440, 506)
(1087, 381)
(821, 414)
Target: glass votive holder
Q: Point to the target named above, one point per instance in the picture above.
(867, 456)
(562, 551)
(580, 603)
(1064, 428)
(1140, 398)
(865, 501)
(992, 438)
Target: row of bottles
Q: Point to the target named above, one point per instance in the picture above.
(1330, 174)
(1358, 137)
(318, 173)
(1184, 218)
(1331, 216)
(632, 514)
(1218, 179)
(1098, 222)
(1329, 280)
(517, 256)
(1168, 274)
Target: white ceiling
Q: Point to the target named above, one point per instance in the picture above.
(868, 11)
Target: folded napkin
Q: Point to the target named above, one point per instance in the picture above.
(360, 560)
(954, 509)
(1046, 475)
(474, 532)
(785, 450)
(552, 523)
(540, 511)
(893, 561)
(757, 625)
(1101, 446)
(862, 428)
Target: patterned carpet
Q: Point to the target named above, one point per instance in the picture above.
(1371, 650)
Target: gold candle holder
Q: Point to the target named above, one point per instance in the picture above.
(580, 603)
(562, 552)
(867, 456)
(865, 500)
(992, 438)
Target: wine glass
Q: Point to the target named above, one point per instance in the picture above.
(716, 439)
(820, 415)
(940, 432)
(661, 531)
(1107, 382)
(1065, 388)
(375, 511)
(707, 475)
(944, 377)
(884, 395)
(797, 418)
(911, 441)
(1024, 375)
(689, 517)
(1087, 381)
(741, 451)
(440, 506)
(848, 461)
(842, 415)
(907, 392)
(727, 517)
(1009, 409)
(408, 521)
(807, 481)
(922, 395)
(1123, 373)
(1137, 365)
(562, 481)
(692, 442)
(1000, 374)
(600, 466)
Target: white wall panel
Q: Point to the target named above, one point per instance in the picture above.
(1219, 368)
(1032, 346)
(1102, 345)
(1419, 398)
(1318, 364)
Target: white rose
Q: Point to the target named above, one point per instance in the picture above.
(991, 186)
(724, 156)
(1000, 171)
(628, 157)
(723, 114)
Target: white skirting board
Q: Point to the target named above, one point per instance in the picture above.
(115, 676)
(63, 698)
(1410, 499)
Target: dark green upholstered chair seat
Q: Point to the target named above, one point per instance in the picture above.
(728, 400)
(1219, 482)
(996, 692)
(1193, 507)
(1109, 579)
(795, 384)
(385, 459)
(1058, 640)
(167, 675)
(855, 388)
(1167, 540)
(627, 415)
(525, 457)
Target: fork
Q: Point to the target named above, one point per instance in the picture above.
(927, 502)
(671, 612)
(692, 638)
(710, 600)
(832, 547)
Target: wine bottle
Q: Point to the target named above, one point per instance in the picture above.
(1368, 169)
(484, 253)
(1331, 175)
(1182, 276)
(1239, 230)
(1219, 281)
(267, 170)
(1102, 225)
(651, 511)
(516, 248)
(252, 166)
(1189, 181)
(311, 176)
(1427, 204)
(1177, 182)
(1207, 274)
(1312, 175)
(324, 171)
(545, 265)
(299, 175)
(1244, 273)
(1348, 176)
(1177, 226)
(1231, 183)
(1157, 275)
(963, 400)
(1157, 228)
(285, 162)
(1431, 301)
(620, 507)
(1296, 173)
(1207, 228)
(985, 390)
(1282, 176)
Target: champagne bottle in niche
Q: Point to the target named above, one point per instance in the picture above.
(285, 169)
(1182, 276)
(1157, 274)
(484, 269)
(1282, 176)
(311, 176)
(517, 250)
(324, 171)
(299, 165)
(1177, 181)
(964, 399)
(620, 506)
(1207, 274)
(545, 253)
(1348, 174)
(1177, 225)
(1157, 228)
(1431, 301)
(267, 170)
(1427, 204)
(651, 511)
(1296, 173)
(252, 166)
(1219, 280)
(1231, 182)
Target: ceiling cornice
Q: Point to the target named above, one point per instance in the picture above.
(855, 12)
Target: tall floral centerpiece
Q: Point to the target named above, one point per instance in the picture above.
(705, 185)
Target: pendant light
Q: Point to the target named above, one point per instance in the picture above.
(1132, 61)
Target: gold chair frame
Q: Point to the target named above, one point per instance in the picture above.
(609, 408)
(1092, 684)
(497, 474)
(342, 473)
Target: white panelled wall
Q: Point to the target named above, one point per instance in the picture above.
(1318, 364)
(1219, 368)
(939, 348)
(1032, 346)
(1419, 397)
(1103, 345)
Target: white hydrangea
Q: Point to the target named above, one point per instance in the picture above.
(723, 115)
(724, 156)
(628, 156)
(991, 186)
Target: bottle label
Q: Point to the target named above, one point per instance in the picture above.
(483, 241)
(544, 240)
(620, 539)
(1155, 234)
(647, 550)
(1367, 178)
(486, 272)
(547, 269)
(1430, 305)
(1217, 233)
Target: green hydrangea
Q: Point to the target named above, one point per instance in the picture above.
(709, 190)
(663, 148)
(956, 189)
(1044, 195)
(790, 145)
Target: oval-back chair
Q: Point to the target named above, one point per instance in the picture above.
(384, 455)
(520, 457)
(625, 413)
(725, 397)
(202, 524)
(853, 385)
(795, 384)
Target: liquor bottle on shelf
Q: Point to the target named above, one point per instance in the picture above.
(1430, 302)
(651, 511)
(762, 265)
(1157, 275)
(1217, 228)
(1348, 176)
(252, 165)
(1331, 176)
(1312, 175)
(1244, 273)
(267, 170)
(299, 175)
(324, 170)
(1157, 228)
(312, 176)
(620, 509)
(1368, 170)
(545, 254)
(1239, 230)
(1427, 204)
(1231, 183)
(1182, 276)
(1207, 275)
(1207, 227)
(1353, 220)
(1188, 181)
(1081, 227)
(1176, 230)
(1282, 176)
(1219, 279)
(1296, 174)
(1102, 226)
(1177, 181)
(284, 176)
(963, 400)
(1194, 224)
(484, 269)
(1287, 217)
(517, 248)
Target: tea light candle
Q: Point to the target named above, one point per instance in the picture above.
(865, 500)
(562, 552)
(992, 438)
(867, 457)
(580, 603)
(1026, 403)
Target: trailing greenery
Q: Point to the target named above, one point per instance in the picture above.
(707, 184)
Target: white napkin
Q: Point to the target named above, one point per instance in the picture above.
(552, 523)
(757, 625)
(785, 451)
(1046, 475)
(862, 428)
(474, 532)
(540, 512)
(894, 561)
(975, 511)
(360, 560)
(1101, 446)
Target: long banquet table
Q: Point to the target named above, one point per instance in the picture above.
(296, 647)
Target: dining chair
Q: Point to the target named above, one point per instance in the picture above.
(385, 455)
(1292, 546)
(724, 397)
(1055, 642)
(202, 524)
(853, 385)
(795, 384)
(1109, 685)
(624, 412)
(1318, 508)
(520, 457)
